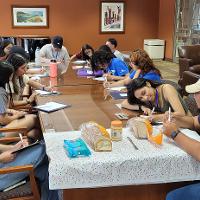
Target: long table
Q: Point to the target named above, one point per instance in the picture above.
(70, 78)
(88, 103)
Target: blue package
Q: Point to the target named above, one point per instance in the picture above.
(76, 148)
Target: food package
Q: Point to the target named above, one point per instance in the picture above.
(96, 136)
(76, 148)
(143, 129)
(140, 127)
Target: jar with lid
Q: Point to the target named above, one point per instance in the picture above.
(116, 130)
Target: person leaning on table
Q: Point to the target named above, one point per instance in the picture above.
(191, 146)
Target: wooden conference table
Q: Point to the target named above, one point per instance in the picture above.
(87, 100)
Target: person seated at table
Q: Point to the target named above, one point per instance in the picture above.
(191, 146)
(20, 80)
(107, 49)
(20, 50)
(55, 52)
(85, 53)
(149, 94)
(35, 156)
(6, 46)
(142, 66)
(2, 54)
(10, 118)
(115, 68)
(112, 44)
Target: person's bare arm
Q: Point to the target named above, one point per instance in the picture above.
(125, 104)
(73, 57)
(189, 145)
(5, 147)
(36, 85)
(123, 82)
(6, 118)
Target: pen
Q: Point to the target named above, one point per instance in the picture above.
(131, 141)
(152, 111)
(106, 80)
(50, 84)
(169, 116)
(20, 135)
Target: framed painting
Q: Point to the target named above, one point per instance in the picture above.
(112, 14)
(30, 16)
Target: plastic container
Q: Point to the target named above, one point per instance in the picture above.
(37, 57)
(116, 130)
(53, 70)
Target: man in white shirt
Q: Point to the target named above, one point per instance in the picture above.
(55, 52)
(112, 43)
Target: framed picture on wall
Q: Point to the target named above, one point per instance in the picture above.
(112, 14)
(30, 16)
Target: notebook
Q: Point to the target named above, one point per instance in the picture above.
(118, 88)
(51, 107)
(26, 147)
(118, 95)
(46, 93)
(79, 62)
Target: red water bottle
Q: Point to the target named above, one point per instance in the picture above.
(53, 69)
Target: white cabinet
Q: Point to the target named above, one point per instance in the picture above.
(155, 48)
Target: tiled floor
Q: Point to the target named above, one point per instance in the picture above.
(169, 70)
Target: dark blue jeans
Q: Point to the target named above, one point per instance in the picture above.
(189, 192)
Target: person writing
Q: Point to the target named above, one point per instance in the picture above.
(142, 67)
(191, 146)
(115, 69)
(148, 94)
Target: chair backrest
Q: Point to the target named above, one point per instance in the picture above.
(175, 85)
(190, 52)
(192, 105)
(28, 191)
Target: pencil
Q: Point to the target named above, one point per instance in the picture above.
(169, 116)
(21, 138)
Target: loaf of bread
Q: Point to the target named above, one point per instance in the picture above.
(96, 136)
(140, 127)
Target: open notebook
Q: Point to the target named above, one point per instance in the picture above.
(26, 147)
(51, 107)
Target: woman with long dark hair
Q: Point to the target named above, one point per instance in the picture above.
(20, 80)
(85, 53)
(11, 118)
(149, 94)
(35, 156)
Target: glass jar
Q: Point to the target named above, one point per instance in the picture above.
(116, 130)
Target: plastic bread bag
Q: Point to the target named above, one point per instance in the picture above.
(96, 136)
(76, 148)
(139, 127)
(142, 129)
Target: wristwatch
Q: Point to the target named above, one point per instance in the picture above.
(174, 134)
